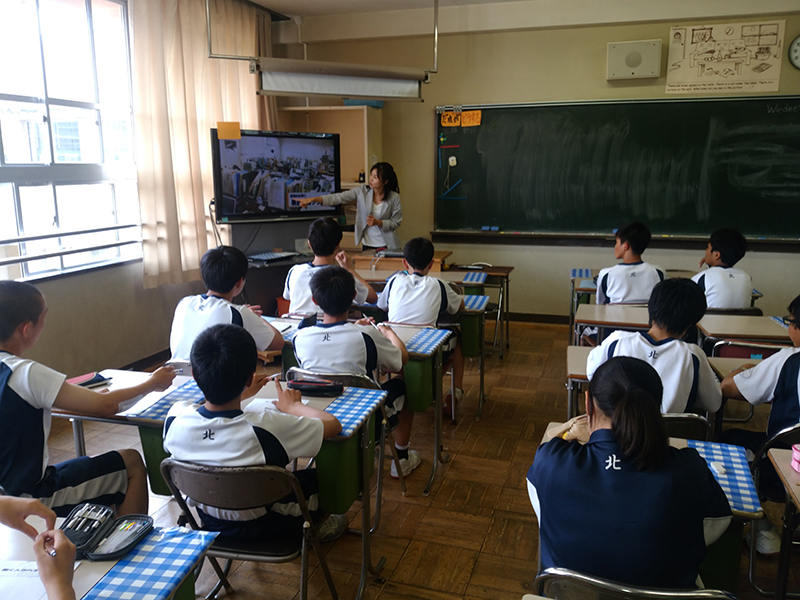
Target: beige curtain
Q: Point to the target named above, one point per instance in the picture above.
(179, 95)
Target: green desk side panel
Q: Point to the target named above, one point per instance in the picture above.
(471, 335)
(720, 568)
(154, 453)
(418, 375)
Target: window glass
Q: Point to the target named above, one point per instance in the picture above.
(67, 50)
(39, 217)
(76, 135)
(117, 137)
(19, 38)
(110, 43)
(8, 219)
(24, 133)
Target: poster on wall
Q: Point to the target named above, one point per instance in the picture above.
(737, 57)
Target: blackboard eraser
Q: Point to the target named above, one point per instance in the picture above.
(495, 228)
(485, 228)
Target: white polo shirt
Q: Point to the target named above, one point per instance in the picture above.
(688, 380)
(417, 299)
(194, 314)
(725, 287)
(631, 282)
(297, 289)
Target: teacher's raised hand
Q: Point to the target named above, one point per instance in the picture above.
(306, 201)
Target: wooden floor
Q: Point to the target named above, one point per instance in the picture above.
(476, 535)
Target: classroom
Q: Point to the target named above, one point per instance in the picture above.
(488, 53)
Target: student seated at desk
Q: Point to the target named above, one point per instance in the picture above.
(414, 298)
(324, 237)
(28, 393)
(223, 269)
(626, 506)
(337, 346)
(689, 382)
(218, 433)
(55, 553)
(775, 379)
(632, 280)
(724, 286)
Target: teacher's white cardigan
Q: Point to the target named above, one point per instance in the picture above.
(362, 195)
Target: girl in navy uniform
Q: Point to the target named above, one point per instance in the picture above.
(626, 506)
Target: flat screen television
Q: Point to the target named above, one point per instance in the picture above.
(262, 176)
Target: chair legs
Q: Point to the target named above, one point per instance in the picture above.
(323, 564)
(222, 573)
(386, 432)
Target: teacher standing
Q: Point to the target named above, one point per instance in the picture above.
(378, 210)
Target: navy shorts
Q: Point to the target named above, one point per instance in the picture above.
(99, 479)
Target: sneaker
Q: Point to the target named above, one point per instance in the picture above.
(332, 527)
(406, 464)
(768, 542)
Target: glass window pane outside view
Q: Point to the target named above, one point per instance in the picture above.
(67, 160)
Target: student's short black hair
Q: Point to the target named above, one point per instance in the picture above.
(223, 358)
(730, 244)
(794, 309)
(222, 267)
(636, 234)
(19, 303)
(333, 289)
(676, 304)
(418, 253)
(324, 236)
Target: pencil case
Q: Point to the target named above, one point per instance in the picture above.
(97, 535)
(796, 457)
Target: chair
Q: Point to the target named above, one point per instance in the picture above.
(564, 583)
(494, 310)
(751, 350)
(241, 488)
(360, 381)
(687, 426)
(783, 439)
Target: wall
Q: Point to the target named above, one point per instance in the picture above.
(531, 66)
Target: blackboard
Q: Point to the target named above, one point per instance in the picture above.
(684, 167)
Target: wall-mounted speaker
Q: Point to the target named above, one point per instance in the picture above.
(634, 60)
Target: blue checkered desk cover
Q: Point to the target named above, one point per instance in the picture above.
(474, 277)
(475, 303)
(427, 341)
(736, 482)
(159, 409)
(353, 407)
(155, 568)
(580, 273)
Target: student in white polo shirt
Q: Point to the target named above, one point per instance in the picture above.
(337, 346)
(415, 298)
(689, 382)
(223, 269)
(632, 280)
(324, 237)
(724, 285)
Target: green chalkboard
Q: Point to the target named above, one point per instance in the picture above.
(684, 167)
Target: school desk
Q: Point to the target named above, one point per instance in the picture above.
(368, 260)
(576, 375)
(721, 367)
(159, 567)
(738, 327)
(782, 461)
(610, 316)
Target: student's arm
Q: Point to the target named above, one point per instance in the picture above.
(75, 398)
(55, 570)
(390, 335)
(344, 261)
(290, 403)
(729, 387)
(709, 394)
(597, 357)
(14, 511)
(261, 331)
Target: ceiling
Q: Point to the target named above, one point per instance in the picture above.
(319, 8)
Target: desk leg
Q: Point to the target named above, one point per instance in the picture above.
(481, 367)
(570, 397)
(573, 304)
(437, 420)
(366, 553)
(507, 281)
(77, 435)
(789, 524)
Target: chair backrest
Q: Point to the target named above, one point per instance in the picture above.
(564, 583)
(751, 350)
(687, 426)
(750, 311)
(356, 380)
(783, 439)
(231, 488)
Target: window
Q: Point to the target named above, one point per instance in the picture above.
(68, 195)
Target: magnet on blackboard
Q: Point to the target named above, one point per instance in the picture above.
(495, 228)
(486, 228)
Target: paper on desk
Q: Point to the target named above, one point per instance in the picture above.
(20, 579)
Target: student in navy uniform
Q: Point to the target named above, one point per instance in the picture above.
(415, 298)
(340, 347)
(776, 379)
(223, 269)
(28, 393)
(675, 306)
(626, 506)
(723, 285)
(219, 433)
(324, 237)
(632, 280)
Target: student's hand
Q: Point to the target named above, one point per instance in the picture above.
(162, 378)
(259, 381)
(287, 398)
(14, 511)
(702, 262)
(365, 321)
(306, 201)
(256, 308)
(344, 260)
(386, 330)
(55, 571)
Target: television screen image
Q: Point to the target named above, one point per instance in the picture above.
(264, 175)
